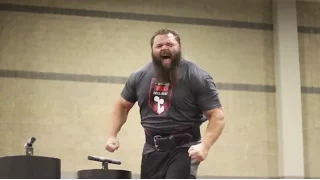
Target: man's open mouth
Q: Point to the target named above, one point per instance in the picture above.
(166, 58)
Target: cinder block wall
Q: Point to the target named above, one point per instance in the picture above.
(309, 42)
(70, 117)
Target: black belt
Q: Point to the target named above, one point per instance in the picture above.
(166, 141)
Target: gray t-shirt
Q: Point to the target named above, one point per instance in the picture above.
(165, 108)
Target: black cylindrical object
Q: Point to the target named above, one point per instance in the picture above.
(104, 174)
(30, 167)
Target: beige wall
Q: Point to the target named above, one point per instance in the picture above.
(78, 115)
(308, 16)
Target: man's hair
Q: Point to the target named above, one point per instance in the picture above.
(164, 31)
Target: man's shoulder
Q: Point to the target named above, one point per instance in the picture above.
(194, 70)
(142, 71)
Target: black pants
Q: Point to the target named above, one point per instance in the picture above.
(175, 164)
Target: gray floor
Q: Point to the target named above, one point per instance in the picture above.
(73, 175)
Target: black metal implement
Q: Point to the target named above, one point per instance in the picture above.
(105, 172)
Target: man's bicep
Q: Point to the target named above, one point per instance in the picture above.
(127, 105)
(218, 113)
(208, 95)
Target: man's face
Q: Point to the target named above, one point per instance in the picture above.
(166, 51)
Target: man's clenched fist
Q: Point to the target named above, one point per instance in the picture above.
(198, 152)
(112, 144)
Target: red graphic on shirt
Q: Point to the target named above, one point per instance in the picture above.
(159, 96)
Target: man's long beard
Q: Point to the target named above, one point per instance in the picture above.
(167, 74)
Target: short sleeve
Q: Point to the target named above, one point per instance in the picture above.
(208, 95)
(129, 90)
(205, 91)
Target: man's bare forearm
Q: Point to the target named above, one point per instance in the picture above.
(118, 118)
(214, 129)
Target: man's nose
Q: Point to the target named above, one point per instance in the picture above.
(164, 47)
